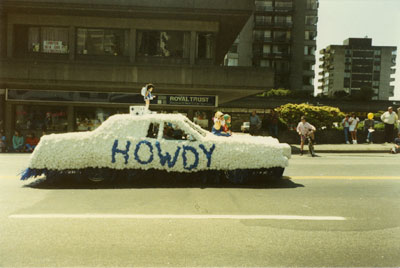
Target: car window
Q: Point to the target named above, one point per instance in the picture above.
(153, 130)
(174, 132)
(197, 128)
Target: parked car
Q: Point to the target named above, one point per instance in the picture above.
(245, 127)
(162, 143)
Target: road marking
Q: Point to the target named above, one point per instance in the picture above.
(177, 217)
(346, 177)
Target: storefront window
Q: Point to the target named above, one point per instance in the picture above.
(48, 40)
(90, 118)
(163, 44)
(41, 118)
(98, 42)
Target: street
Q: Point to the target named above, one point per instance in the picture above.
(335, 210)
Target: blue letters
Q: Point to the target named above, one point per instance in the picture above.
(167, 156)
(115, 150)
(196, 156)
(207, 153)
(137, 151)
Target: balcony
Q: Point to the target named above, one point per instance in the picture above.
(284, 9)
(392, 71)
(260, 8)
(281, 40)
(263, 23)
(309, 58)
(283, 24)
(277, 24)
(262, 39)
(276, 55)
(309, 73)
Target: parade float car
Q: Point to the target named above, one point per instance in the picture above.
(162, 145)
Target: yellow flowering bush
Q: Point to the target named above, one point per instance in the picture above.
(319, 116)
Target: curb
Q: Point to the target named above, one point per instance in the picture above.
(296, 150)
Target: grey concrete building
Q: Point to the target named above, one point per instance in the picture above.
(281, 35)
(355, 65)
(66, 65)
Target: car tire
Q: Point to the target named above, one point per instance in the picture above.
(276, 173)
(238, 176)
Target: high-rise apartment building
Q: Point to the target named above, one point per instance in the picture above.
(280, 35)
(356, 65)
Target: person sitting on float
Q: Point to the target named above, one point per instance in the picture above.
(227, 126)
(219, 122)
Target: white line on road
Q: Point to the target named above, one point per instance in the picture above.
(177, 217)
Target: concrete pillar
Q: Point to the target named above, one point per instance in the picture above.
(3, 32)
(9, 125)
(132, 45)
(70, 118)
(10, 39)
(193, 47)
(72, 43)
(190, 114)
(2, 107)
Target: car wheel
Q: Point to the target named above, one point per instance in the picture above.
(96, 175)
(276, 173)
(237, 176)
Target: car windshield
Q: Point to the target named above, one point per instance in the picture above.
(197, 128)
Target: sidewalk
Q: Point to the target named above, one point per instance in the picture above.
(345, 148)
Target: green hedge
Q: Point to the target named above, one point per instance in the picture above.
(319, 116)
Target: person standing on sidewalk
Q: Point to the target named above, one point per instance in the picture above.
(273, 124)
(390, 119)
(369, 127)
(346, 124)
(255, 123)
(354, 120)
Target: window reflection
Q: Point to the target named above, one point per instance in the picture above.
(48, 40)
(89, 118)
(205, 45)
(41, 118)
(163, 44)
(112, 42)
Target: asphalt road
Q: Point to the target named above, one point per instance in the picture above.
(329, 211)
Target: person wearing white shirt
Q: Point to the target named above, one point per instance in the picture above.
(346, 125)
(354, 120)
(390, 119)
(304, 128)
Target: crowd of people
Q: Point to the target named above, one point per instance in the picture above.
(222, 127)
(19, 143)
(389, 118)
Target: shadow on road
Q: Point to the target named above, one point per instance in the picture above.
(67, 183)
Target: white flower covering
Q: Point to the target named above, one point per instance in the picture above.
(121, 143)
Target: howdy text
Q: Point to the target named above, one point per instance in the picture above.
(164, 157)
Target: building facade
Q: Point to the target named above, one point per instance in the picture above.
(357, 65)
(280, 35)
(66, 65)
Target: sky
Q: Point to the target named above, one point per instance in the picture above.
(377, 19)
